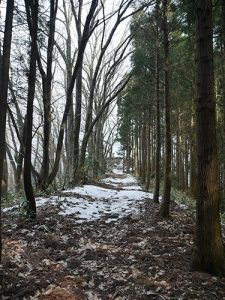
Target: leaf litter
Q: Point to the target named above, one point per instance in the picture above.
(102, 242)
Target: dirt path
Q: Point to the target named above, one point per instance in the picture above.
(127, 253)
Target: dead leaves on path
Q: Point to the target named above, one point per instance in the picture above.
(54, 292)
(136, 258)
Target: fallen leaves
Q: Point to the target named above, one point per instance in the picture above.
(54, 292)
(137, 257)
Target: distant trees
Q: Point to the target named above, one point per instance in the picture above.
(137, 105)
(140, 108)
(87, 31)
(185, 135)
(55, 67)
(105, 65)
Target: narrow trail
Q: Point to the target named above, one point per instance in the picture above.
(102, 242)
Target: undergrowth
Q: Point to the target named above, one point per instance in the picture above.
(183, 199)
(11, 199)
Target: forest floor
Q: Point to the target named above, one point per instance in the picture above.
(102, 242)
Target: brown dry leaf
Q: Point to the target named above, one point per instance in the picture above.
(57, 293)
(163, 283)
(150, 281)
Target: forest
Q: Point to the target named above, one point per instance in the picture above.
(112, 138)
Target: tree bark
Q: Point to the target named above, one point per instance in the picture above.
(158, 129)
(193, 169)
(208, 253)
(136, 150)
(165, 205)
(148, 142)
(32, 17)
(144, 150)
(4, 79)
(128, 151)
(68, 59)
(186, 163)
(47, 95)
(222, 4)
(79, 79)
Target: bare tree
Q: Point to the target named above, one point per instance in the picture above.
(120, 15)
(77, 119)
(87, 31)
(4, 79)
(32, 19)
(47, 77)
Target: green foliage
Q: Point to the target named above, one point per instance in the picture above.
(188, 203)
(49, 190)
(18, 200)
(23, 204)
(11, 199)
(183, 199)
(139, 94)
(223, 217)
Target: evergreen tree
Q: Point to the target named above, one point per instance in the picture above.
(208, 254)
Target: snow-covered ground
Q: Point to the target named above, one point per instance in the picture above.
(90, 202)
(125, 181)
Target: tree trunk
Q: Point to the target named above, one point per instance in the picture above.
(136, 147)
(193, 175)
(148, 142)
(180, 140)
(208, 253)
(5, 178)
(69, 143)
(186, 163)
(222, 4)
(69, 139)
(128, 148)
(158, 131)
(165, 205)
(77, 124)
(4, 79)
(77, 119)
(144, 151)
(47, 95)
(32, 17)
(139, 151)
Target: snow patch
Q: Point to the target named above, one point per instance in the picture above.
(10, 208)
(90, 202)
(118, 171)
(106, 203)
(125, 180)
(91, 190)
